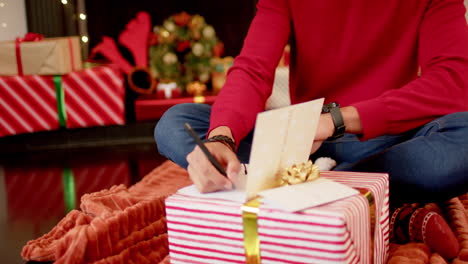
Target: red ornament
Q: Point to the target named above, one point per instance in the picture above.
(218, 49)
(183, 45)
(182, 19)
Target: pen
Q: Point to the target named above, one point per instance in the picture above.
(207, 153)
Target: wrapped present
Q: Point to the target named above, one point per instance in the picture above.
(152, 108)
(91, 97)
(315, 218)
(35, 55)
(206, 230)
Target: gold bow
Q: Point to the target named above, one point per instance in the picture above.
(298, 173)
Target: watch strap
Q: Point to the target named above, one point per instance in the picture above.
(338, 122)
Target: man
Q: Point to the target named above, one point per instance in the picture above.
(363, 55)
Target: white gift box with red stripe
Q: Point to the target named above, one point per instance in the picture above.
(92, 97)
(207, 230)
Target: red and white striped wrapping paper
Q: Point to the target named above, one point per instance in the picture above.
(93, 97)
(205, 230)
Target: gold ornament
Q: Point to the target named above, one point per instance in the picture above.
(197, 49)
(196, 22)
(219, 68)
(298, 173)
(196, 88)
(165, 36)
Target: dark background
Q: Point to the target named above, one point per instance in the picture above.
(230, 19)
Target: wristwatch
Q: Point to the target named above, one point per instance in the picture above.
(334, 109)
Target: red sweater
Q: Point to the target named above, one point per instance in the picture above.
(363, 53)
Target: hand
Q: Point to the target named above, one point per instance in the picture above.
(205, 176)
(325, 129)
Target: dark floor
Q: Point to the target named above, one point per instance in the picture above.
(35, 189)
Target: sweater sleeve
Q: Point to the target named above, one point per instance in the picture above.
(249, 81)
(442, 87)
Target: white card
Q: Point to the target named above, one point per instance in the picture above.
(298, 197)
(282, 137)
(234, 195)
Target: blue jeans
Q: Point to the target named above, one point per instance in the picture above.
(426, 164)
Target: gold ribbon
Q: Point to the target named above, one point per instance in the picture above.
(292, 175)
(249, 223)
(372, 217)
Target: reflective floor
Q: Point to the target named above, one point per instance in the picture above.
(38, 189)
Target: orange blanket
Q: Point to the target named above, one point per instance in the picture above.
(127, 225)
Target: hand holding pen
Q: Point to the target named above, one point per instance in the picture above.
(212, 166)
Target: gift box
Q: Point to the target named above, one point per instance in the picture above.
(208, 230)
(91, 97)
(151, 108)
(35, 55)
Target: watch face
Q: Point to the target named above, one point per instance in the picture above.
(326, 108)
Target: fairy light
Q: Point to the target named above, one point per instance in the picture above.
(82, 16)
(84, 39)
(64, 2)
(3, 24)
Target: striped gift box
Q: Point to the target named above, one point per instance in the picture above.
(205, 230)
(92, 97)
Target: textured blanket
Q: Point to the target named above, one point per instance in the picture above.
(127, 225)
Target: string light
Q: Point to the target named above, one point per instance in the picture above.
(82, 16)
(4, 24)
(2, 4)
(64, 2)
(84, 39)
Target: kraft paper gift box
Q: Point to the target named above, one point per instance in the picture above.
(48, 56)
(304, 223)
(91, 97)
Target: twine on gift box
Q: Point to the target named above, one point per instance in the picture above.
(27, 37)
